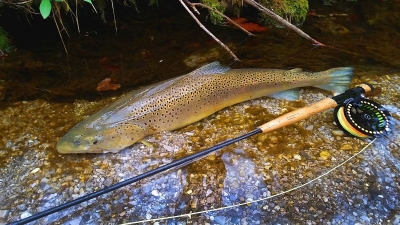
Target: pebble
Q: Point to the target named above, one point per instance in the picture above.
(4, 214)
(44, 181)
(324, 155)
(274, 139)
(168, 148)
(52, 196)
(9, 144)
(119, 208)
(367, 219)
(337, 133)
(68, 178)
(297, 157)
(194, 203)
(220, 219)
(155, 193)
(76, 221)
(21, 207)
(108, 182)
(35, 170)
(346, 147)
(396, 219)
(25, 215)
(148, 216)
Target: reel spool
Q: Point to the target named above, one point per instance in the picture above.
(363, 118)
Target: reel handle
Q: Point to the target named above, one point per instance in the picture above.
(305, 112)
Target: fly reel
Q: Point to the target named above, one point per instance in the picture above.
(363, 118)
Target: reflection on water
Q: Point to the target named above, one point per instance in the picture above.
(43, 96)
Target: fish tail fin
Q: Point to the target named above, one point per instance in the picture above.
(340, 79)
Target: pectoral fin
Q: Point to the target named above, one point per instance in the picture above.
(290, 95)
(148, 144)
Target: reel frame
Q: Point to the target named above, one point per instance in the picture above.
(362, 118)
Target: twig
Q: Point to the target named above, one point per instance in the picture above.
(17, 3)
(57, 13)
(283, 22)
(208, 32)
(115, 21)
(192, 5)
(59, 33)
(221, 14)
(76, 16)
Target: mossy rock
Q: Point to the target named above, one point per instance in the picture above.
(5, 44)
(294, 11)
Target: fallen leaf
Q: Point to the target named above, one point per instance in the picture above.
(107, 84)
(251, 27)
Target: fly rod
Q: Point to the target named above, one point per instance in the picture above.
(355, 115)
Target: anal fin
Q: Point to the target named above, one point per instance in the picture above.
(290, 95)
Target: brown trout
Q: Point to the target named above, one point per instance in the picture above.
(177, 102)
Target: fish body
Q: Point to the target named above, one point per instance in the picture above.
(177, 102)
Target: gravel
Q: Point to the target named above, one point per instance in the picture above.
(363, 191)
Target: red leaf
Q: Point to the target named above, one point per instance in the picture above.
(106, 85)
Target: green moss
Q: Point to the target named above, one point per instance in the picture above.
(153, 2)
(5, 44)
(294, 11)
(215, 4)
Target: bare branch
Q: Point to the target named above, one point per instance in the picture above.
(192, 5)
(115, 21)
(208, 32)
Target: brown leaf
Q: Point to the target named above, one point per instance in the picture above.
(107, 84)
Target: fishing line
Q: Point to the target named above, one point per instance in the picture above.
(261, 199)
(352, 96)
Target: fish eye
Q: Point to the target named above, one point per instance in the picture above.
(95, 142)
(77, 143)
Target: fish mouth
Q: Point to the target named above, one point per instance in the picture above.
(68, 148)
(68, 151)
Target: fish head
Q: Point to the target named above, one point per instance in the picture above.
(100, 139)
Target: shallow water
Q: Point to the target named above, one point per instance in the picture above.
(44, 95)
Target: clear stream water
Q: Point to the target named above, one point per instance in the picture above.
(44, 93)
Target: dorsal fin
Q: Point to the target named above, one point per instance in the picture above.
(211, 68)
